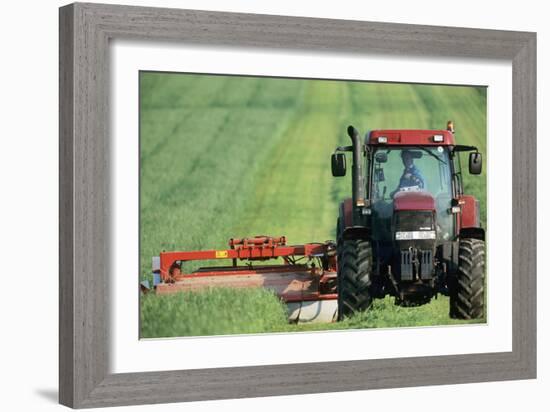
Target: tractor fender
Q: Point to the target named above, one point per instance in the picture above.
(356, 232)
(346, 230)
(346, 213)
(472, 232)
(344, 218)
(469, 216)
(470, 226)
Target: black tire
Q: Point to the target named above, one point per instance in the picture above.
(467, 289)
(354, 277)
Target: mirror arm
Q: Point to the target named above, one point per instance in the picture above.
(344, 149)
(463, 148)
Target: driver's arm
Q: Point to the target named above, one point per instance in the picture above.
(399, 185)
(420, 179)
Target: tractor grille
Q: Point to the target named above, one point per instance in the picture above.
(406, 265)
(426, 264)
(424, 258)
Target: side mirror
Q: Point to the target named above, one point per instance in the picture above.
(474, 164)
(381, 157)
(338, 164)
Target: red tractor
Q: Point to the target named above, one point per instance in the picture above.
(409, 230)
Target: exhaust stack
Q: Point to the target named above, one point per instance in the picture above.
(357, 178)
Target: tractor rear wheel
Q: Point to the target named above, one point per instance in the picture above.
(467, 289)
(354, 276)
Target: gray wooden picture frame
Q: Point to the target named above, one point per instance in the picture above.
(85, 31)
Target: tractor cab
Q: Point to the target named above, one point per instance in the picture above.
(403, 177)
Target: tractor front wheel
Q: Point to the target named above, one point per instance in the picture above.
(354, 276)
(467, 289)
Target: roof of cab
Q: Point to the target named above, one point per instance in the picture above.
(413, 137)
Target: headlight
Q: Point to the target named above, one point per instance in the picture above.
(415, 235)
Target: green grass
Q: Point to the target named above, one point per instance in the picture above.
(217, 311)
(229, 157)
(224, 311)
(385, 314)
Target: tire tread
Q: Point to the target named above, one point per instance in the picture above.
(467, 297)
(354, 276)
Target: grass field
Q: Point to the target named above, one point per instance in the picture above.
(225, 157)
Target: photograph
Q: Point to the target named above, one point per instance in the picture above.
(271, 204)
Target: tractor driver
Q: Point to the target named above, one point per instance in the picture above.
(411, 176)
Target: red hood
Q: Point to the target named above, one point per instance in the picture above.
(413, 200)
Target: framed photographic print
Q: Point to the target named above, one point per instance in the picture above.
(262, 185)
(271, 139)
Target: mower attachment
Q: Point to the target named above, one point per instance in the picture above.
(306, 281)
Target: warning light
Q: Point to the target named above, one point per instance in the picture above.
(450, 126)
